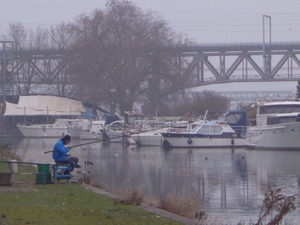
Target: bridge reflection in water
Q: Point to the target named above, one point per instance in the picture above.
(230, 182)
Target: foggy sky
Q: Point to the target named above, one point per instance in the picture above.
(203, 21)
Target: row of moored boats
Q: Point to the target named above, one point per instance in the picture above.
(277, 126)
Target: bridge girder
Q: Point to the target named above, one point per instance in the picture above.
(203, 64)
(212, 68)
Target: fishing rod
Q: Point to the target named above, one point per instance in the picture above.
(30, 163)
(106, 139)
(77, 145)
(87, 143)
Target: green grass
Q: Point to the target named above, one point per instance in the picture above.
(67, 203)
(64, 203)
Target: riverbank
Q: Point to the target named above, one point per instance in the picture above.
(25, 202)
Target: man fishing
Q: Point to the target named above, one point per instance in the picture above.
(61, 153)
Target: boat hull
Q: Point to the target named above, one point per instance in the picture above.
(75, 132)
(284, 136)
(118, 137)
(45, 132)
(91, 136)
(203, 141)
(148, 139)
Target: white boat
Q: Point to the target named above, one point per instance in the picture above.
(58, 129)
(150, 135)
(277, 125)
(149, 138)
(147, 132)
(116, 132)
(76, 130)
(228, 131)
(94, 132)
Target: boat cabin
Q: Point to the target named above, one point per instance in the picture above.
(277, 111)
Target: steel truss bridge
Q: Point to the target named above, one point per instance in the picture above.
(242, 62)
(202, 64)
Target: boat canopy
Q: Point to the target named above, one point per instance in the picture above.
(44, 105)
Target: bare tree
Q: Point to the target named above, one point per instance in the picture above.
(122, 50)
(17, 34)
(61, 39)
(198, 103)
(35, 74)
(88, 68)
(22, 77)
(210, 100)
(29, 70)
(61, 36)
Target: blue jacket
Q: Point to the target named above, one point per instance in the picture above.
(59, 150)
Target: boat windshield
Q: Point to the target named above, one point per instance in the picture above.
(232, 118)
(269, 109)
(282, 119)
(209, 129)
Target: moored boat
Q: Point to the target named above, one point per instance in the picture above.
(58, 129)
(277, 125)
(117, 133)
(148, 133)
(227, 131)
(94, 132)
(151, 135)
(77, 129)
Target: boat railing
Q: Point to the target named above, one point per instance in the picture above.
(251, 122)
(263, 100)
(239, 129)
(176, 130)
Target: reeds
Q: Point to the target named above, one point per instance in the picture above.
(131, 196)
(275, 206)
(186, 206)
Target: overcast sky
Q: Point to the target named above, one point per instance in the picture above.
(204, 21)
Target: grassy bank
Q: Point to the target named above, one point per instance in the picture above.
(64, 203)
(69, 204)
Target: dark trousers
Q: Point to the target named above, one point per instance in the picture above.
(71, 160)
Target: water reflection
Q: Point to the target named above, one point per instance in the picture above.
(231, 181)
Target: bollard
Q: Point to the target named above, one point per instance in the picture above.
(13, 166)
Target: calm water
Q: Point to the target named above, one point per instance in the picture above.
(231, 181)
